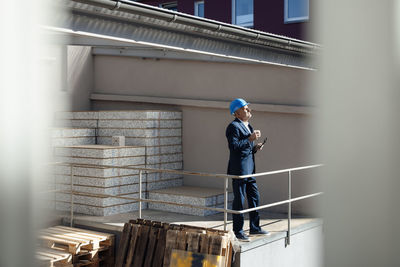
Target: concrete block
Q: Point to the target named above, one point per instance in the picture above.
(164, 158)
(170, 132)
(92, 200)
(99, 181)
(170, 115)
(78, 123)
(170, 141)
(72, 132)
(127, 115)
(128, 124)
(76, 141)
(83, 115)
(94, 171)
(107, 132)
(144, 141)
(196, 196)
(115, 190)
(162, 184)
(170, 124)
(89, 151)
(100, 211)
(171, 149)
(168, 166)
(118, 141)
(162, 176)
(128, 132)
(131, 171)
(104, 162)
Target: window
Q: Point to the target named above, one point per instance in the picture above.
(199, 8)
(243, 13)
(296, 10)
(170, 5)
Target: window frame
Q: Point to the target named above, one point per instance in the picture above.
(196, 8)
(288, 20)
(234, 15)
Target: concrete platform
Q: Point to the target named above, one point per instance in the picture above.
(306, 239)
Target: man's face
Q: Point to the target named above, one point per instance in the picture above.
(243, 113)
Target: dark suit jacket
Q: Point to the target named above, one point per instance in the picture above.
(241, 157)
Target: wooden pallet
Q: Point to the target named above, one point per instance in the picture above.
(148, 243)
(47, 257)
(84, 247)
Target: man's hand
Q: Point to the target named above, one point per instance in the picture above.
(255, 135)
(257, 147)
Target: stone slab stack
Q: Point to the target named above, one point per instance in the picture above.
(96, 182)
(159, 131)
(153, 140)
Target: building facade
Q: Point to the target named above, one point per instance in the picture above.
(290, 18)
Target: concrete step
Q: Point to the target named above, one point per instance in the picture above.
(198, 196)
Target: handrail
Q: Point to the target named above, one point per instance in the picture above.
(280, 171)
(217, 175)
(225, 210)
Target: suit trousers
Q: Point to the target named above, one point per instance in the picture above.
(241, 188)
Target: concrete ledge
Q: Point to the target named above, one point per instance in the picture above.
(300, 226)
(203, 103)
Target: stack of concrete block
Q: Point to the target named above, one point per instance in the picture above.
(196, 196)
(101, 179)
(160, 132)
(153, 140)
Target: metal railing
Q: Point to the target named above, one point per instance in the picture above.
(226, 177)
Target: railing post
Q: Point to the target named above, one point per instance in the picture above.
(225, 202)
(287, 240)
(72, 196)
(140, 194)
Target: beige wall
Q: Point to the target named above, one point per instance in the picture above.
(200, 80)
(205, 149)
(204, 142)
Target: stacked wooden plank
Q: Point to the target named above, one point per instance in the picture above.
(150, 243)
(74, 247)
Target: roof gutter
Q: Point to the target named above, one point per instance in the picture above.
(189, 20)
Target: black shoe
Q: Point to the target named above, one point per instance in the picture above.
(260, 232)
(242, 237)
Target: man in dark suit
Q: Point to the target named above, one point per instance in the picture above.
(241, 137)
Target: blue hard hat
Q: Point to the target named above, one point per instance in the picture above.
(236, 104)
